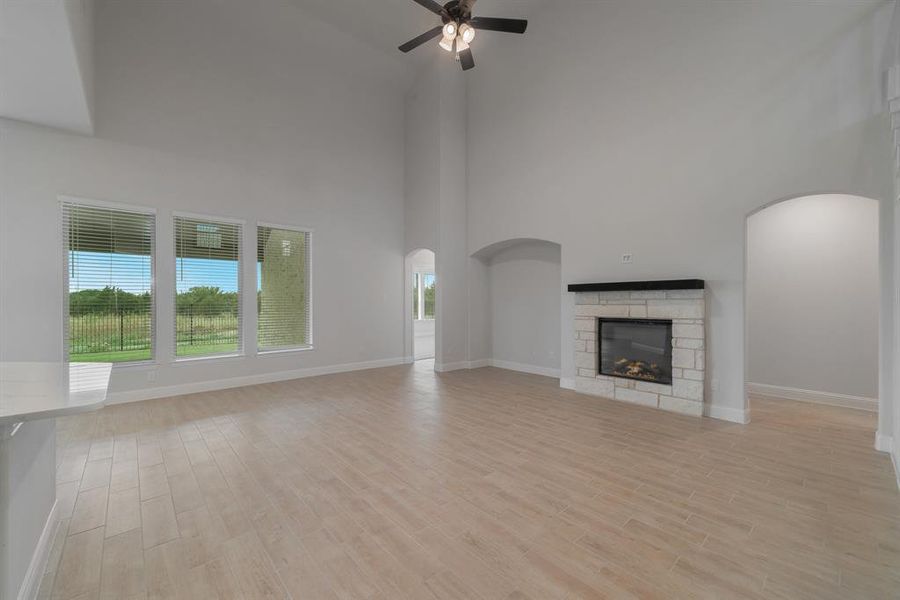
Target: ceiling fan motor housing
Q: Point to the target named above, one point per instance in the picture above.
(459, 11)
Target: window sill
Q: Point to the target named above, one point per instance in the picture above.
(200, 359)
(137, 365)
(284, 351)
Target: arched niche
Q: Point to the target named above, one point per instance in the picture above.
(883, 307)
(515, 298)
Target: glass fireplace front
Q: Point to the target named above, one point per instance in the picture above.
(636, 349)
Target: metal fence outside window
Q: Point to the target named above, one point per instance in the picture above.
(93, 333)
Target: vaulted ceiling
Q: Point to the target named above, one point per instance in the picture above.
(46, 69)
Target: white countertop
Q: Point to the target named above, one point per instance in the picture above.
(42, 390)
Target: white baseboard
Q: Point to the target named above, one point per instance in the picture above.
(724, 413)
(31, 584)
(523, 368)
(884, 443)
(567, 383)
(815, 397)
(477, 364)
(447, 367)
(233, 382)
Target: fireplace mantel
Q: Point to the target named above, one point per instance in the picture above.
(639, 286)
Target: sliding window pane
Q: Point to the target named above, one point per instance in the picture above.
(109, 272)
(207, 287)
(283, 289)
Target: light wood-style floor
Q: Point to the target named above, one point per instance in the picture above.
(400, 483)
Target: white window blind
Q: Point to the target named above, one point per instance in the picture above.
(109, 278)
(207, 287)
(283, 294)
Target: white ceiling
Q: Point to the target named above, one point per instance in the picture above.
(385, 24)
(45, 70)
(45, 48)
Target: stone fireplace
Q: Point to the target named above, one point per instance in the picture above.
(642, 342)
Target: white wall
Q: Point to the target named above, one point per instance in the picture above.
(452, 261)
(421, 161)
(479, 312)
(654, 128)
(889, 383)
(813, 294)
(525, 306)
(219, 108)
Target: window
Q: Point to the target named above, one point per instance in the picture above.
(207, 287)
(423, 295)
(283, 288)
(109, 280)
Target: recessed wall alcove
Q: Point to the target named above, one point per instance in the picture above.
(814, 295)
(520, 304)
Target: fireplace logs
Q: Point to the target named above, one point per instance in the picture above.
(637, 369)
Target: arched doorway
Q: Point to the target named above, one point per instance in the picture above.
(420, 306)
(813, 289)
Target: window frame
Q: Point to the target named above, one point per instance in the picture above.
(66, 199)
(419, 275)
(242, 346)
(309, 277)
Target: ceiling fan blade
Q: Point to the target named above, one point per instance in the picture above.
(419, 40)
(498, 24)
(431, 5)
(466, 60)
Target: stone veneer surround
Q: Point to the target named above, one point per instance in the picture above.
(687, 310)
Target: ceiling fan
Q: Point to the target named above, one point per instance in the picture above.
(458, 29)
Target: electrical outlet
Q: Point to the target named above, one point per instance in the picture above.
(151, 376)
(627, 258)
(714, 384)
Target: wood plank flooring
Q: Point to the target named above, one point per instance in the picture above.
(401, 483)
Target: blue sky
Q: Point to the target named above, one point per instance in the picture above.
(94, 270)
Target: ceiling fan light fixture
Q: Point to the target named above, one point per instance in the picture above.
(461, 44)
(467, 33)
(450, 30)
(447, 43)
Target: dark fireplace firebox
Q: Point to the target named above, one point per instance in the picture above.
(636, 349)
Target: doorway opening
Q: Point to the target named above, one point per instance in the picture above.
(421, 303)
(812, 303)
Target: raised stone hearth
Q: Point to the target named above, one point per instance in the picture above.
(685, 307)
